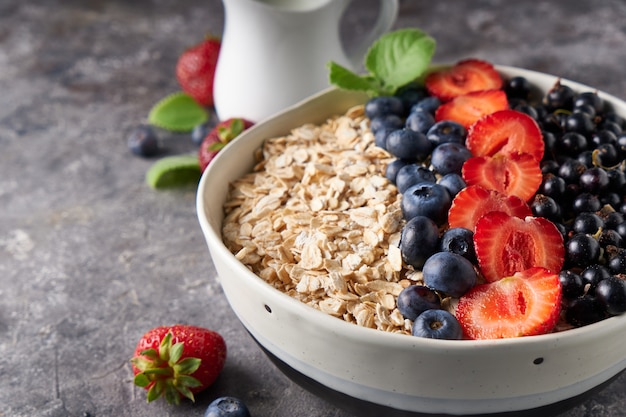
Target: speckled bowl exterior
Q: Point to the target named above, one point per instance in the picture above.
(392, 371)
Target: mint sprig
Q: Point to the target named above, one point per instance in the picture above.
(394, 60)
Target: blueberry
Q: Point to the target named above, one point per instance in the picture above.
(384, 105)
(459, 240)
(418, 241)
(420, 121)
(453, 183)
(410, 95)
(412, 174)
(143, 141)
(426, 199)
(227, 407)
(446, 131)
(391, 172)
(437, 324)
(415, 299)
(448, 158)
(199, 132)
(612, 293)
(387, 122)
(429, 104)
(449, 273)
(380, 137)
(408, 144)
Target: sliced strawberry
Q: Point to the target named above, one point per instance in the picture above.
(465, 77)
(518, 174)
(505, 132)
(474, 201)
(507, 244)
(524, 304)
(470, 107)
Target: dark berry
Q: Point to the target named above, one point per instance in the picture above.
(571, 283)
(582, 250)
(552, 186)
(420, 121)
(589, 98)
(408, 144)
(587, 222)
(448, 158)
(429, 104)
(412, 174)
(579, 122)
(612, 293)
(593, 274)
(200, 131)
(572, 143)
(393, 168)
(518, 87)
(410, 95)
(437, 324)
(384, 105)
(418, 241)
(560, 96)
(449, 273)
(460, 241)
(586, 202)
(584, 310)
(227, 407)
(415, 299)
(617, 261)
(388, 122)
(547, 207)
(453, 183)
(570, 170)
(143, 141)
(426, 199)
(446, 131)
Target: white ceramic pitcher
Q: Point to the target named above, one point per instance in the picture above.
(274, 53)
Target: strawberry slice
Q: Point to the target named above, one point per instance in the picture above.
(464, 77)
(524, 304)
(470, 107)
(505, 132)
(474, 201)
(518, 174)
(507, 244)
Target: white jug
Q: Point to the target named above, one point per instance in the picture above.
(274, 53)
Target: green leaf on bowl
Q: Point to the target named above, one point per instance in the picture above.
(178, 112)
(394, 60)
(174, 171)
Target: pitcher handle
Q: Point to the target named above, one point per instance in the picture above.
(386, 18)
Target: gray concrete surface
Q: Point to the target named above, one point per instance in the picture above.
(90, 257)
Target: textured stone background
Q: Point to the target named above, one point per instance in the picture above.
(90, 257)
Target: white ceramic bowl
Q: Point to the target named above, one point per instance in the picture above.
(377, 373)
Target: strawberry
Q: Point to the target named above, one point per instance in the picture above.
(507, 244)
(468, 108)
(517, 174)
(505, 132)
(219, 137)
(464, 77)
(195, 70)
(524, 304)
(474, 201)
(178, 361)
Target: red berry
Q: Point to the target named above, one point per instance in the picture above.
(507, 244)
(465, 77)
(518, 174)
(195, 70)
(474, 201)
(523, 304)
(505, 132)
(219, 137)
(187, 359)
(468, 108)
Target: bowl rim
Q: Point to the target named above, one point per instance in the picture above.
(370, 335)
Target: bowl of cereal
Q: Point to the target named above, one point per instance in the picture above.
(304, 227)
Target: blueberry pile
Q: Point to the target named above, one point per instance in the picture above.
(583, 193)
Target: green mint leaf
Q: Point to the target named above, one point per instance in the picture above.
(348, 80)
(400, 57)
(177, 112)
(174, 171)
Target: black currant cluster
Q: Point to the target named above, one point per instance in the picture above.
(583, 192)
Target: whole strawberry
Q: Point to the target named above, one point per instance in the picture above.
(195, 70)
(178, 361)
(219, 137)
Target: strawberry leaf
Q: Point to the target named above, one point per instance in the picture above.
(185, 392)
(188, 381)
(176, 352)
(177, 112)
(187, 366)
(141, 380)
